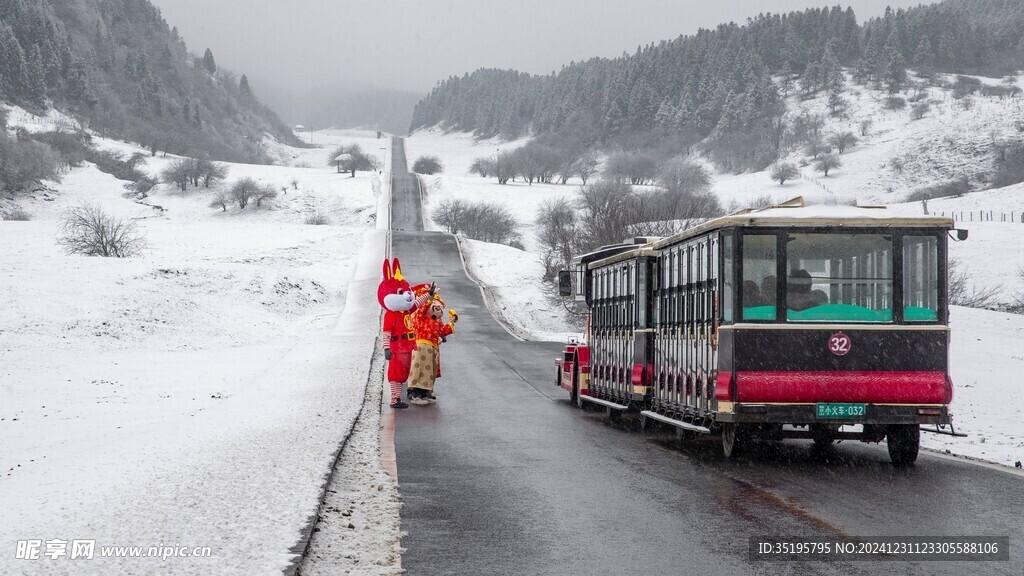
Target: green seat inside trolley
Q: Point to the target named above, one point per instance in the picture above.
(841, 313)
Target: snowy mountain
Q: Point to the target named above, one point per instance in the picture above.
(121, 68)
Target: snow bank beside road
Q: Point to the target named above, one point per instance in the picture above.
(195, 395)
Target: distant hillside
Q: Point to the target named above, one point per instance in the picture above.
(121, 68)
(726, 88)
(343, 107)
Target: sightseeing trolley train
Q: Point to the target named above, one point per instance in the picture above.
(795, 321)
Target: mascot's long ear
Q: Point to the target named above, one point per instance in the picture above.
(397, 267)
(387, 269)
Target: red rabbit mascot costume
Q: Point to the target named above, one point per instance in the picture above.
(398, 299)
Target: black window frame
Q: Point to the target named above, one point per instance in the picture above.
(782, 258)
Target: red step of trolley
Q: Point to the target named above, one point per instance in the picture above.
(796, 321)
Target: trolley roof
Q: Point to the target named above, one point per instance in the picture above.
(798, 212)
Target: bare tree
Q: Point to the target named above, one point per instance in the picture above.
(827, 162)
(842, 141)
(606, 209)
(89, 231)
(451, 214)
(350, 158)
(505, 167)
(683, 175)
(221, 201)
(963, 292)
(865, 126)
(783, 171)
(556, 224)
(212, 172)
(295, 184)
(178, 172)
(243, 191)
(483, 166)
(633, 167)
(265, 193)
(587, 166)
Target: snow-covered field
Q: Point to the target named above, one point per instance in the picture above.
(195, 395)
(950, 142)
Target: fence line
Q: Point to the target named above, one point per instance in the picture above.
(985, 216)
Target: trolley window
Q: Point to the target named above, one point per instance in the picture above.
(759, 295)
(727, 276)
(839, 277)
(920, 278)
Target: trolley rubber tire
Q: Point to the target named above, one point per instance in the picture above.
(904, 441)
(824, 436)
(729, 439)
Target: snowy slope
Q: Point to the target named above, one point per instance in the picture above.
(194, 395)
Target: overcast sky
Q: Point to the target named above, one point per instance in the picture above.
(410, 44)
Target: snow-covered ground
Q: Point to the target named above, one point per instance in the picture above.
(514, 277)
(948, 143)
(195, 395)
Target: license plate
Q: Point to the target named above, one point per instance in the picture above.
(841, 410)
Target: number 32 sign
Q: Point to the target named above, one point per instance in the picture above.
(839, 344)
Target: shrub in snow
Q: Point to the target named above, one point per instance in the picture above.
(89, 231)
(827, 162)
(963, 292)
(865, 126)
(917, 111)
(895, 103)
(1009, 166)
(295, 184)
(23, 163)
(18, 214)
(484, 221)
(957, 187)
(428, 165)
(318, 219)
(783, 171)
(896, 163)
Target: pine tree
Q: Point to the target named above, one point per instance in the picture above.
(243, 86)
(208, 62)
(36, 78)
(923, 56)
(895, 75)
(787, 78)
(78, 82)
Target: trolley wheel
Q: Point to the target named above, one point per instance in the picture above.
(904, 440)
(823, 436)
(730, 440)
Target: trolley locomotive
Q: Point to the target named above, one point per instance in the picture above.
(815, 322)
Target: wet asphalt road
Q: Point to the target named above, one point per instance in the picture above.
(504, 476)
